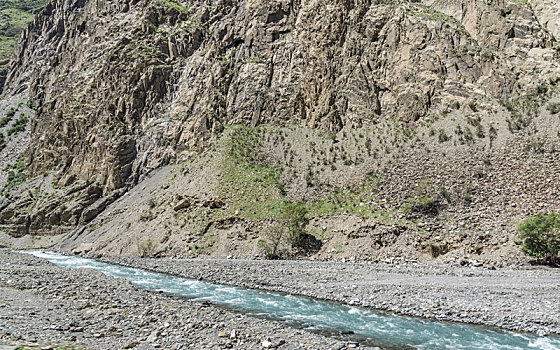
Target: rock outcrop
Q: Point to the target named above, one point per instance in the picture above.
(547, 13)
(126, 87)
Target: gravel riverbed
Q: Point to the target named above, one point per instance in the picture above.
(521, 299)
(43, 306)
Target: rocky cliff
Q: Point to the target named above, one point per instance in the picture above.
(409, 128)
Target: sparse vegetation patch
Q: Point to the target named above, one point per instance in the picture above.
(553, 107)
(18, 126)
(7, 118)
(17, 174)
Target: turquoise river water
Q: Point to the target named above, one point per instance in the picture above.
(366, 325)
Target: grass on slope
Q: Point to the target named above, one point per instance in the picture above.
(14, 17)
(251, 187)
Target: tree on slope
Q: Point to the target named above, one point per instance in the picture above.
(540, 237)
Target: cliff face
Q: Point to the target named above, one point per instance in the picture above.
(125, 87)
(120, 82)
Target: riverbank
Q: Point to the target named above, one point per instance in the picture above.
(43, 306)
(521, 299)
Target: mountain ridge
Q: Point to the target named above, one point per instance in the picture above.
(394, 121)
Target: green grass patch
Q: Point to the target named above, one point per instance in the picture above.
(424, 11)
(15, 15)
(356, 201)
(176, 6)
(251, 187)
(521, 2)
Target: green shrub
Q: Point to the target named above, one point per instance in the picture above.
(480, 131)
(18, 126)
(540, 237)
(445, 194)
(11, 113)
(7, 118)
(30, 104)
(288, 229)
(4, 121)
(294, 219)
(508, 104)
(542, 89)
(424, 205)
(493, 132)
(271, 245)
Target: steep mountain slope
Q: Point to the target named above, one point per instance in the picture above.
(406, 127)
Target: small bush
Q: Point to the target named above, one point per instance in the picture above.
(518, 122)
(424, 205)
(271, 245)
(508, 105)
(11, 113)
(7, 118)
(442, 136)
(468, 136)
(18, 126)
(294, 218)
(445, 194)
(309, 177)
(480, 131)
(542, 89)
(288, 230)
(553, 107)
(536, 146)
(493, 132)
(146, 248)
(540, 237)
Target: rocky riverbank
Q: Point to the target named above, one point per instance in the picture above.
(521, 299)
(43, 306)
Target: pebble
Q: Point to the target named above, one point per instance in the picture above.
(120, 316)
(500, 297)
